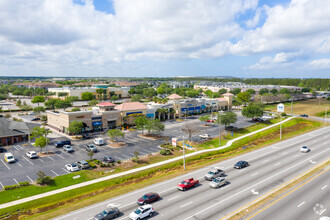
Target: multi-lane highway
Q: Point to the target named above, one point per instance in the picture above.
(310, 201)
(269, 168)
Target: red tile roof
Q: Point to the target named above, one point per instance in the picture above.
(174, 96)
(221, 99)
(228, 94)
(105, 104)
(126, 106)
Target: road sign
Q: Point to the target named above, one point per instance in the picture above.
(280, 107)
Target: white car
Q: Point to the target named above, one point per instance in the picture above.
(142, 212)
(304, 149)
(205, 136)
(98, 141)
(219, 181)
(72, 167)
(68, 148)
(31, 154)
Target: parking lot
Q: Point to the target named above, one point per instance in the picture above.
(25, 169)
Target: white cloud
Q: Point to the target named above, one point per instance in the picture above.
(321, 63)
(280, 60)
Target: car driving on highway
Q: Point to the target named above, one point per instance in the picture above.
(217, 182)
(31, 154)
(304, 149)
(142, 212)
(214, 173)
(241, 164)
(106, 214)
(186, 184)
(148, 198)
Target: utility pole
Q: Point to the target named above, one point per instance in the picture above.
(325, 115)
(184, 158)
(291, 106)
(219, 127)
(281, 129)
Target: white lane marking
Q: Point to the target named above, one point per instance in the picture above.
(51, 158)
(19, 146)
(251, 187)
(300, 204)
(278, 164)
(125, 156)
(41, 160)
(15, 147)
(324, 187)
(2, 185)
(296, 156)
(16, 181)
(65, 170)
(19, 164)
(265, 161)
(29, 178)
(149, 151)
(60, 156)
(5, 164)
(173, 198)
(54, 172)
(186, 204)
(28, 160)
(254, 174)
(322, 211)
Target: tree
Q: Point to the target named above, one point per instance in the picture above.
(62, 94)
(222, 91)
(75, 109)
(154, 126)
(40, 132)
(51, 103)
(251, 91)
(39, 109)
(90, 154)
(87, 96)
(149, 92)
(305, 89)
(62, 104)
(114, 98)
(190, 129)
(19, 103)
(41, 142)
(161, 112)
(228, 118)
(263, 91)
(209, 93)
(161, 90)
(284, 91)
(100, 91)
(244, 97)
(141, 122)
(252, 111)
(204, 118)
(274, 91)
(75, 127)
(72, 99)
(93, 102)
(136, 98)
(38, 99)
(235, 91)
(192, 93)
(115, 133)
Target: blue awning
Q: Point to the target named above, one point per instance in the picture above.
(191, 108)
(184, 109)
(197, 107)
(203, 106)
(97, 123)
(151, 115)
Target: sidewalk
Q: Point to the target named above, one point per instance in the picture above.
(229, 143)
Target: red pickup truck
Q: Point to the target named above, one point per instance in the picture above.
(186, 184)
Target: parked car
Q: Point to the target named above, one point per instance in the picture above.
(211, 121)
(186, 184)
(304, 149)
(72, 167)
(83, 164)
(231, 128)
(86, 136)
(35, 119)
(304, 115)
(32, 113)
(241, 164)
(62, 143)
(148, 198)
(219, 181)
(205, 136)
(9, 158)
(98, 141)
(214, 173)
(2, 150)
(31, 154)
(142, 212)
(68, 148)
(90, 147)
(106, 214)
(258, 119)
(108, 159)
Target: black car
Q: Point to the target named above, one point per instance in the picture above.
(304, 116)
(62, 143)
(35, 119)
(90, 147)
(241, 164)
(231, 128)
(109, 213)
(2, 150)
(86, 136)
(109, 159)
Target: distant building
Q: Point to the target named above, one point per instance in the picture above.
(42, 85)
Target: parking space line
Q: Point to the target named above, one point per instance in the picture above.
(69, 154)
(16, 181)
(19, 164)
(118, 158)
(54, 172)
(5, 164)
(2, 185)
(125, 156)
(51, 158)
(60, 156)
(41, 160)
(148, 151)
(19, 146)
(65, 170)
(29, 178)
(15, 147)
(28, 160)
(324, 187)
(301, 204)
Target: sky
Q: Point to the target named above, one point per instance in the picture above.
(165, 38)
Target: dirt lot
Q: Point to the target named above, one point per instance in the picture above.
(309, 107)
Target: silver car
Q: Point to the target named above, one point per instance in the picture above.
(217, 182)
(214, 173)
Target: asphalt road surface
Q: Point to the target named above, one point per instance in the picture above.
(310, 201)
(269, 167)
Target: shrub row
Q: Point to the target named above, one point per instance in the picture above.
(9, 187)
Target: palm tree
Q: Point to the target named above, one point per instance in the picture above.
(161, 112)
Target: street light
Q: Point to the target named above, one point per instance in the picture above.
(325, 115)
(219, 113)
(184, 158)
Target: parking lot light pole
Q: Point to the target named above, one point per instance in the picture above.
(220, 112)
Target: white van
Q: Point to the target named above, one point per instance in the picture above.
(9, 158)
(98, 141)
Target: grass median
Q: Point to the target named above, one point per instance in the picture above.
(56, 205)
